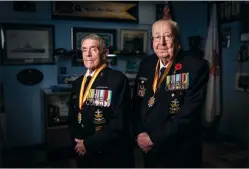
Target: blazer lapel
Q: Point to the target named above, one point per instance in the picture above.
(78, 87)
(98, 80)
(149, 92)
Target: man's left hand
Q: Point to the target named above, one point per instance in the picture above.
(80, 147)
(144, 142)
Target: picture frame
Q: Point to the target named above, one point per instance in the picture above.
(28, 44)
(109, 35)
(96, 11)
(134, 41)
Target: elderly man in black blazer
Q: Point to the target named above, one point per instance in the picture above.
(169, 94)
(99, 111)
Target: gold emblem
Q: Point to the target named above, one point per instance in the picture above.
(174, 106)
(151, 101)
(99, 119)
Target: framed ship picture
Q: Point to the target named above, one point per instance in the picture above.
(28, 44)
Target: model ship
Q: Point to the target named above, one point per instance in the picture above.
(29, 48)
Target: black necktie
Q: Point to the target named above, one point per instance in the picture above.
(88, 78)
(162, 71)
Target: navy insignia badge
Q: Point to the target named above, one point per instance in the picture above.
(99, 117)
(174, 106)
(141, 89)
(99, 120)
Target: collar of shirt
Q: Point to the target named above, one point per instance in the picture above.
(88, 73)
(161, 65)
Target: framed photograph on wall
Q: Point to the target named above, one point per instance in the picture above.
(133, 41)
(109, 35)
(28, 44)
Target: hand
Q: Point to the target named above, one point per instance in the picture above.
(144, 142)
(80, 147)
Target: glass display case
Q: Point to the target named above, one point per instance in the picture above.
(56, 108)
(55, 105)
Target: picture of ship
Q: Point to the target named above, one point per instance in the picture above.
(28, 48)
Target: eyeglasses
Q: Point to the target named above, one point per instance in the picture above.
(158, 38)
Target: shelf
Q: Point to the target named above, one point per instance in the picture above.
(57, 127)
(126, 55)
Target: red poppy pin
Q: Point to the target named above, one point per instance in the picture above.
(178, 66)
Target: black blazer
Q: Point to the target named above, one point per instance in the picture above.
(113, 138)
(176, 134)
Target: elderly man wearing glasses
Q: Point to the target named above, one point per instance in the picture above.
(167, 103)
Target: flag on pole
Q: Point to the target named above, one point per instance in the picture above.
(211, 54)
(167, 13)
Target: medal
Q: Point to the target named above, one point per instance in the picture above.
(151, 101)
(157, 83)
(79, 117)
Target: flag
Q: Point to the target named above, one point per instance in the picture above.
(167, 11)
(211, 54)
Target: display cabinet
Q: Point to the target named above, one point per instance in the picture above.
(55, 105)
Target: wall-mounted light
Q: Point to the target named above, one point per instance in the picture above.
(111, 55)
(2, 38)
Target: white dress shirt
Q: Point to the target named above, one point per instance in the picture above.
(88, 73)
